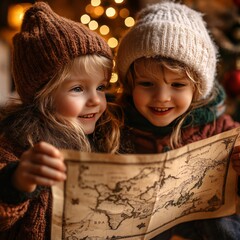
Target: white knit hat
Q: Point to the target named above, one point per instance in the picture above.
(170, 30)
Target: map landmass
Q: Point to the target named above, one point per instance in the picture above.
(137, 196)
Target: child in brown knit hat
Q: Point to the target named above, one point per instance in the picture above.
(61, 70)
(170, 97)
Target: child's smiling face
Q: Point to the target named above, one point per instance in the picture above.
(81, 98)
(159, 94)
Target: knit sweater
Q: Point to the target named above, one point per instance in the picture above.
(22, 215)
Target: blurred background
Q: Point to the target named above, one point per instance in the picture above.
(112, 18)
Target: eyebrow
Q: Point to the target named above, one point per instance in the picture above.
(180, 78)
(69, 80)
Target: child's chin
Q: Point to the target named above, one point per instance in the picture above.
(89, 131)
(156, 123)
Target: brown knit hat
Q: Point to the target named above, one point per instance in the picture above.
(45, 43)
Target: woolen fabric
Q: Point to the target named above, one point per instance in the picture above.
(170, 30)
(45, 44)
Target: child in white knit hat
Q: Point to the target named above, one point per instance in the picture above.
(167, 68)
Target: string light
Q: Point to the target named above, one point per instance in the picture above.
(95, 3)
(93, 25)
(129, 21)
(124, 13)
(110, 12)
(104, 30)
(95, 18)
(89, 9)
(119, 1)
(16, 13)
(112, 42)
(85, 19)
(98, 11)
(110, 18)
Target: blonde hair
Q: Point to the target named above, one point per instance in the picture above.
(128, 85)
(39, 120)
(108, 125)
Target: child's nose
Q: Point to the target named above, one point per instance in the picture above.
(93, 99)
(162, 94)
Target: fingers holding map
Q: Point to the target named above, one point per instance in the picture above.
(110, 196)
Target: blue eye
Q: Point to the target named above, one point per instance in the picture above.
(101, 88)
(77, 89)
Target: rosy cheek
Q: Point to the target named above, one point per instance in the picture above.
(104, 103)
(65, 108)
(137, 100)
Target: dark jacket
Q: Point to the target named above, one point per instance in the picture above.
(136, 140)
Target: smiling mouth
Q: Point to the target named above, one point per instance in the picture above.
(160, 109)
(88, 115)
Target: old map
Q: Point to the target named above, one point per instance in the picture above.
(139, 196)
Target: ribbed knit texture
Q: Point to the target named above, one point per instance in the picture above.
(45, 43)
(170, 30)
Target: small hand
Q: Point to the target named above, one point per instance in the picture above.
(235, 157)
(42, 164)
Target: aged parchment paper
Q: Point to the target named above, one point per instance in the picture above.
(110, 196)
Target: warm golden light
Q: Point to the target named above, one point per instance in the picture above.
(98, 11)
(112, 42)
(16, 13)
(114, 78)
(85, 19)
(93, 25)
(129, 21)
(104, 30)
(119, 1)
(95, 3)
(124, 13)
(89, 9)
(110, 12)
